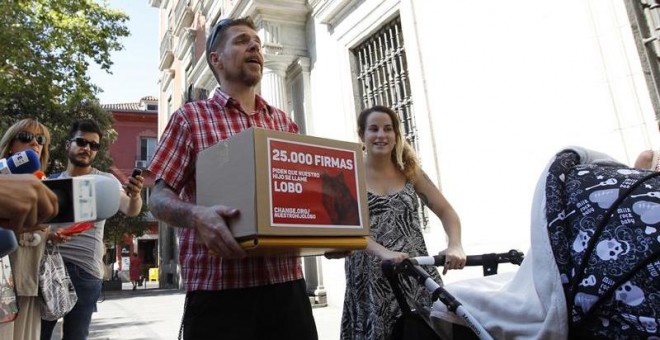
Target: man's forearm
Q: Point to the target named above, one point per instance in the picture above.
(134, 206)
(130, 205)
(168, 207)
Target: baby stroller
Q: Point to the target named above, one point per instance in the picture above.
(415, 323)
(593, 269)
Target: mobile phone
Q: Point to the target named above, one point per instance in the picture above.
(136, 172)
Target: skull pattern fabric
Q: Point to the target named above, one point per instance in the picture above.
(604, 228)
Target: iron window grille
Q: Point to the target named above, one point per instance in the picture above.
(383, 79)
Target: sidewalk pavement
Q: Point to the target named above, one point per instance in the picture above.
(149, 313)
(154, 313)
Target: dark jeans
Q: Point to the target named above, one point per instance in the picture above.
(76, 322)
(279, 311)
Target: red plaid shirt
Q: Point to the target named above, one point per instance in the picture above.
(191, 129)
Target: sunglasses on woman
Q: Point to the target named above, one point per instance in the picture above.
(82, 142)
(27, 137)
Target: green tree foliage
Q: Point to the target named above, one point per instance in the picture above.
(120, 225)
(47, 49)
(60, 134)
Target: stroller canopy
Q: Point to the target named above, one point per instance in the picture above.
(593, 267)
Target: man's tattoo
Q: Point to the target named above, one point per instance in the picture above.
(168, 207)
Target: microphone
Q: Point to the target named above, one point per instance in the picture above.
(24, 162)
(85, 198)
(8, 242)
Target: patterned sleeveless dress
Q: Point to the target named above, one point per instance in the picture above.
(370, 308)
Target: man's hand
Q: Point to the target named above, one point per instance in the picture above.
(57, 237)
(134, 186)
(25, 202)
(211, 227)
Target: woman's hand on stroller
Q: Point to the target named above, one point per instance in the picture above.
(454, 258)
(393, 257)
(384, 254)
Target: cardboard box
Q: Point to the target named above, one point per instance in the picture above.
(287, 185)
(303, 245)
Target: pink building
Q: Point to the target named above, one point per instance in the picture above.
(136, 126)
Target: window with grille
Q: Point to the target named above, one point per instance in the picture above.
(382, 75)
(382, 78)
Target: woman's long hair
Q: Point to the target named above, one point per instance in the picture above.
(403, 154)
(25, 125)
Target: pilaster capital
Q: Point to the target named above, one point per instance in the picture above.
(277, 63)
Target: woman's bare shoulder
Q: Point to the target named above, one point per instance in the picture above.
(644, 160)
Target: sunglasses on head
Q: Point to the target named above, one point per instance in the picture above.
(216, 32)
(27, 137)
(82, 142)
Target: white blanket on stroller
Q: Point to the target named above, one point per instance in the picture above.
(527, 304)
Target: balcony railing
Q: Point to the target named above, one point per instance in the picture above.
(185, 43)
(166, 52)
(183, 16)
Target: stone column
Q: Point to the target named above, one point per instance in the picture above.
(273, 86)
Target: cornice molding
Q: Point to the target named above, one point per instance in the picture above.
(298, 66)
(135, 116)
(285, 11)
(329, 11)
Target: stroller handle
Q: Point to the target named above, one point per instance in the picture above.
(512, 256)
(437, 293)
(412, 268)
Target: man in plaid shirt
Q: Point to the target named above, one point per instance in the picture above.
(229, 295)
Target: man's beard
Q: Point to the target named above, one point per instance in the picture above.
(81, 164)
(249, 79)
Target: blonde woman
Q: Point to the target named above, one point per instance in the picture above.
(394, 181)
(23, 135)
